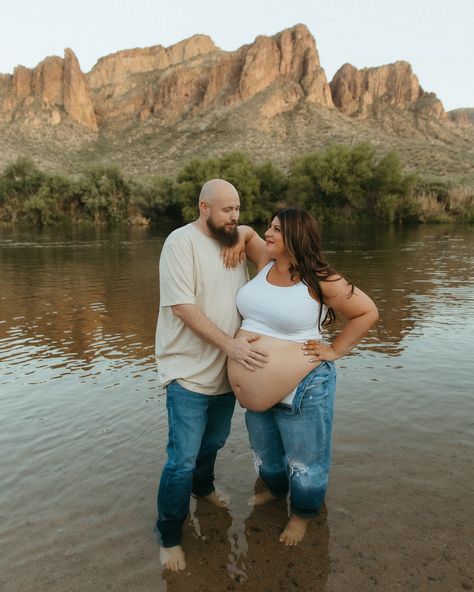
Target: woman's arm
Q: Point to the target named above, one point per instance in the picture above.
(250, 244)
(360, 312)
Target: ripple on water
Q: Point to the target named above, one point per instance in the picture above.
(83, 419)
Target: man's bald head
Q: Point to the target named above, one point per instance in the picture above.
(219, 209)
(215, 188)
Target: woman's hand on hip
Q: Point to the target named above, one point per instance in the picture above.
(317, 351)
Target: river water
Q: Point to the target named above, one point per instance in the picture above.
(83, 426)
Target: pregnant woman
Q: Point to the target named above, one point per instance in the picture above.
(290, 400)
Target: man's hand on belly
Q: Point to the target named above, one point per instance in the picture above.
(242, 350)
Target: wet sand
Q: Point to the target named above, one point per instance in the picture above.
(398, 517)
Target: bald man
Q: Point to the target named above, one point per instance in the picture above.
(197, 322)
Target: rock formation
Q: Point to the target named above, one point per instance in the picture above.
(157, 107)
(117, 67)
(289, 56)
(462, 116)
(355, 91)
(166, 85)
(76, 94)
(46, 94)
(195, 75)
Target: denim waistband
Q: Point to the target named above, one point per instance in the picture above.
(318, 374)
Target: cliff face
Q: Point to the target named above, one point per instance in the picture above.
(159, 107)
(166, 85)
(462, 116)
(355, 91)
(116, 68)
(45, 95)
(194, 75)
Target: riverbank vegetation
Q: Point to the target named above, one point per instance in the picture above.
(341, 183)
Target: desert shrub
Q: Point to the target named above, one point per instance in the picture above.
(460, 203)
(104, 195)
(30, 195)
(155, 199)
(238, 169)
(436, 187)
(387, 207)
(430, 208)
(339, 184)
(272, 193)
(348, 182)
(20, 180)
(331, 179)
(42, 208)
(51, 203)
(189, 182)
(254, 184)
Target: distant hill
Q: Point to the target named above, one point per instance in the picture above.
(149, 110)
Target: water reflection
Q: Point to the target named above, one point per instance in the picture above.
(411, 273)
(224, 554)
(87, 306)
(90, 298)
(269, 565)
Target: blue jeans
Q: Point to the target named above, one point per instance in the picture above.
(198, 426)
(292, 444)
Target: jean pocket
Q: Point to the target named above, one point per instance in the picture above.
(317, 378)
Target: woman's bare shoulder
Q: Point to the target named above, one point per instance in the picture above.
(335, 285)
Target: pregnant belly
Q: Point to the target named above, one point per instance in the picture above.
(263, 388)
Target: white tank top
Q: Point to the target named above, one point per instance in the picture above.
(283, 312)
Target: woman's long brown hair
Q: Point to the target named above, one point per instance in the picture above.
(302, 240)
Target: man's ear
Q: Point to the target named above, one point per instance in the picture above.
(204, 207)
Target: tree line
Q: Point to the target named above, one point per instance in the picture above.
(340, 183)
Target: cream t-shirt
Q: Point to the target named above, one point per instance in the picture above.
(191, 272)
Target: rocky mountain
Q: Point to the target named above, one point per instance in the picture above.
(462, 116)
(45, 95)
(356, 91)
(148, 110)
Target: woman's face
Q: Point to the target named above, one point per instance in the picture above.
(274, 240)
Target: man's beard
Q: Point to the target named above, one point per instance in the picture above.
(227, 238)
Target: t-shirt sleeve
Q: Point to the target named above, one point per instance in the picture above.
(177, 274)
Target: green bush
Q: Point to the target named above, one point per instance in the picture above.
(335, 178)
(155, 199)
(460, 203)
(339, 184)
(51, 203)
(238, 169)
(104, 195)
(348, 182)
(387, 208)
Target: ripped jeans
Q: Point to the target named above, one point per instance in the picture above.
(292, 444)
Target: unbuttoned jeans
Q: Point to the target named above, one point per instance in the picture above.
(292, 444)
(198, 426)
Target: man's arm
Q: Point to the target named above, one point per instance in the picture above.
(240, 349)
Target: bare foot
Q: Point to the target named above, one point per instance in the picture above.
(259, 499)
(172, 558)
(294, 531)
(218, 499)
